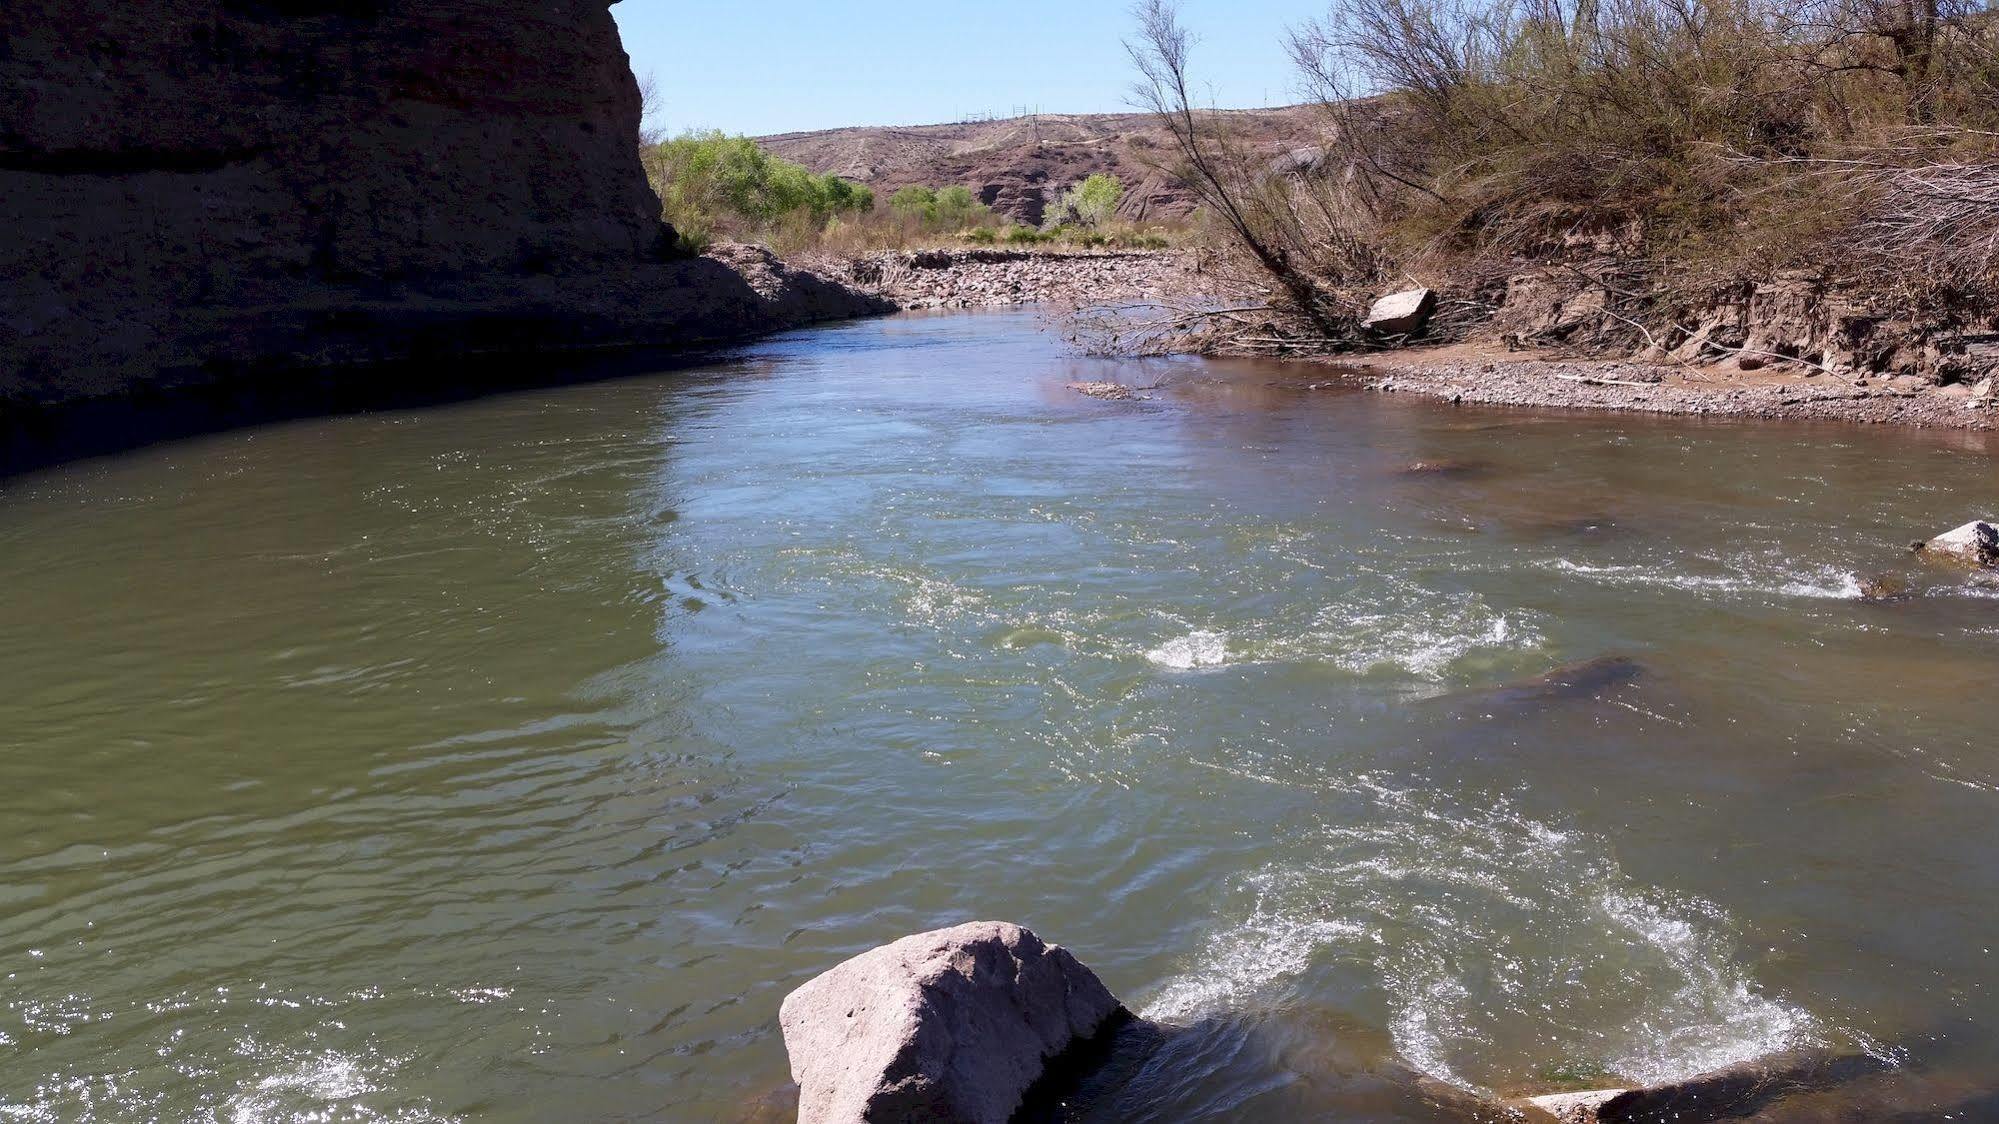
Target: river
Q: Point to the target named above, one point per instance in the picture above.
(512, 759)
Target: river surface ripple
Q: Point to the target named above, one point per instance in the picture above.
(511, 760)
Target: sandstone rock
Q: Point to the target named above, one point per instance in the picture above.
(952, 1026)
(1400, 314)
(1974, 544)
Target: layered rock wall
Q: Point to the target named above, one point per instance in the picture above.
(195, 188)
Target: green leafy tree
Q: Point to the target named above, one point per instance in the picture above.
(1092, 203)
(710, 183)
(1097, 199)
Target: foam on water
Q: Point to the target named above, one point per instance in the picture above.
(1424, 641)
(1483, 930)
(1241, 965)
(330, 1085)
(1393, 625)
(296, 1086)
(1196, 649)
(1741, 575)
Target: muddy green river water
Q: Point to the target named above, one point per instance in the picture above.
(511, 760)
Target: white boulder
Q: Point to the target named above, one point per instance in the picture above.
(1976, 544)
(1400, 314)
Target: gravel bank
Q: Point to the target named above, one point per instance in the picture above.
(1005, 278)
(1463, 374)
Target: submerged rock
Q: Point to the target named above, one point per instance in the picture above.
(1734, 1092)
(1108, 391)
(947, 1027)
(1400, 314)
(1446, 468)
(1975, 544)
(1738, 1090)
(1588, 679)
(1574, 1108)
(1882, 588)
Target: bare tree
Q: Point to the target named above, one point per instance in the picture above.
(651, 105)
(1229, 181)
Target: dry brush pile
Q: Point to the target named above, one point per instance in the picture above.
(1653, 167)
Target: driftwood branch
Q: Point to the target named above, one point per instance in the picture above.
(1597, 380)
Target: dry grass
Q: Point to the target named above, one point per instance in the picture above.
(1685, 146)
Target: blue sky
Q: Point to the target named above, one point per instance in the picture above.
(783, 65)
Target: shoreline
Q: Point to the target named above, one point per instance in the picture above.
(1477, 372)
(776, 296)
(426, 351)
(1487, 375)
(970, 277)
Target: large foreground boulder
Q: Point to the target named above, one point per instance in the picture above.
(947, 1027)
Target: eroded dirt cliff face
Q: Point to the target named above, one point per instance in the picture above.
(194, 188)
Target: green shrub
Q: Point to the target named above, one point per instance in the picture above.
(957, 207)
(1097, 200)
(710, 183)
(919, 203)
(1092, 203)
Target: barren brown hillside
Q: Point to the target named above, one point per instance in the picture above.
(1017, 165)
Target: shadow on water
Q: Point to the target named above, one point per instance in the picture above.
(32, 439)
(1290, 1065)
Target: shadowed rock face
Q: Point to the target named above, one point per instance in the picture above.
(191, 189)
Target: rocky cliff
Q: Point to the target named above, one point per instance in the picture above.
(194, 190)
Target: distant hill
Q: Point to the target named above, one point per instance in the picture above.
(1017, 166)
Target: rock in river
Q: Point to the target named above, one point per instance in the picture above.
(949, 1027)
(1976, 543)
(1739, 1090)
(1735, 1092)
(1450, 469)
(1589, 679)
